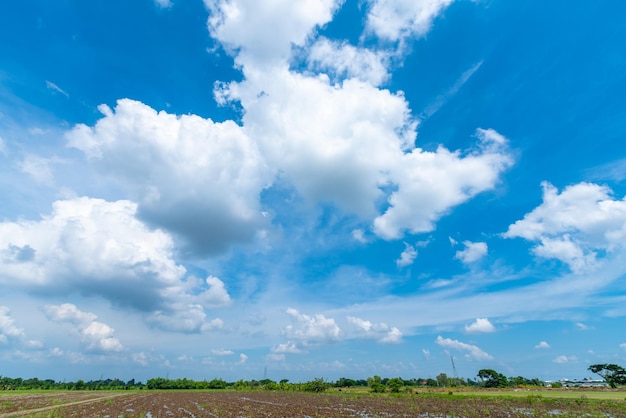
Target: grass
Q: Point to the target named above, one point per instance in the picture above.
(551, 393)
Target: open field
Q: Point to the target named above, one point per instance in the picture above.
(174, 404)
(553, 393)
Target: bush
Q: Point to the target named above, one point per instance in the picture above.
(316, 385)
(376, 387)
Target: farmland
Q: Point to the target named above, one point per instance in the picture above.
(229, 403)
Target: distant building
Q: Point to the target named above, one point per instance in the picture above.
(582, 383)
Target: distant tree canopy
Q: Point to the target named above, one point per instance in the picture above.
(488, 378)
(492, 379)
(612, 373)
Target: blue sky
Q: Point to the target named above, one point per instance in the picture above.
(322, 188)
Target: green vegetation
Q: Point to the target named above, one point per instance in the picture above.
(487, 378)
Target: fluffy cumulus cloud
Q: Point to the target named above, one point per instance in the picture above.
(380, 331)
(575, 225)
(334, 143)
(472, 252)
(96, 336)
(311, 329)
(542, 345)
(99, 248)
(8, 330)
(565, 359)
(480, 326)
(199, 179)
(344, 61)
(407, 257)
(472, 351)
(345, 142)
(264, 32)
(431, 183)
(396, 20)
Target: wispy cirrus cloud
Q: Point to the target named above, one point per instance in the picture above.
(56, 89)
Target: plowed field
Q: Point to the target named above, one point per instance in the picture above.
(280, 404)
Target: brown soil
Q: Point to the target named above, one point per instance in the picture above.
(175, 404)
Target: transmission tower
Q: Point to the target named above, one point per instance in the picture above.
(456, 376)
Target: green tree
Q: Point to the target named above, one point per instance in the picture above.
(376, 384)
(492, 379)
(612, 373)
(442, 380)
(395, 384)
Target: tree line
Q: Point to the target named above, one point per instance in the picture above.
(613, 374)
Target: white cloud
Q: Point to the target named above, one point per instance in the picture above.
(263, 32)
(583, 327)
(199, 179)
(431, 183)
(213, 324)
(140, 358)
(68, 312)
(480, 326)
(442, 99)
(96, 336)
(346, 143)
(222, 352)
(313, 329)
(382, 332)
(407, 257)
(343, 143)
(290, 347)
(242, 358)
(396, 20)
(276, 357)
(56, 352)
(426, 353)
(38, 168)
(473, 252)
(565, 359)
(394, 336)
(216, 295)
(98, 248)
(359, 235)
(184, 317)
(99, 336)
(575, 225)
(163, 3)
(473, 352)
(50, 85)
(542, 344)
(343, 60)
(334, 143)
(8, 330)
(623, 345)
